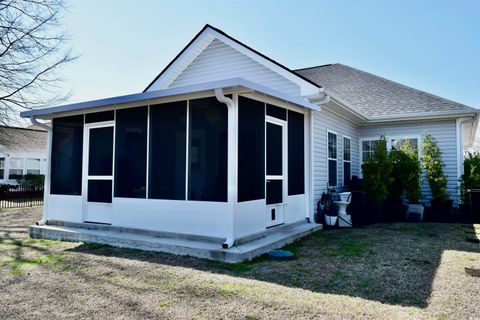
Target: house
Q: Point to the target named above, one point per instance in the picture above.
(228, 146)
(22, 151)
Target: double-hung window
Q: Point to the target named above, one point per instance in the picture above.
(15, 170)
(368, 149)
(347, 161)
(2, 168)
(332, 158)
(33, 166)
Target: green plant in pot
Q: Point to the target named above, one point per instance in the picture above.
(412, 175)
(395, 210)
(434, 169)
(469, 180)
(406, 173)
(377, 180)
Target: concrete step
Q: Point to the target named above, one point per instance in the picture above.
(205, 249)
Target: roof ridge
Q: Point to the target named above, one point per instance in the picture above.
(405, 86)
(314, 67)
(208, 26)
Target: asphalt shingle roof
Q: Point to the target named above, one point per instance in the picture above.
(23, 138)
(374, 96)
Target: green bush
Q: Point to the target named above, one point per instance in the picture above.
(406, 174)
(434, 167)
(32, 181)
(471, 176)
(377, 171)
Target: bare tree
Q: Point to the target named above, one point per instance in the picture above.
(32, 49)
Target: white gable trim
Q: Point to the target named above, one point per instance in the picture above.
(202, 41)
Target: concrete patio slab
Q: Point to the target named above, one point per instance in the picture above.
(187, 245)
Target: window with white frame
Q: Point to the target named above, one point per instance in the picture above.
(33, 166)
(368, 149)
(2, 168)
(15, 170)
(332, 158)
(347, 161)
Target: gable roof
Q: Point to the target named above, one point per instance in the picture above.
(201, 41)
(375, 97)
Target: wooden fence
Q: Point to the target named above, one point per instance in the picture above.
(20, 196)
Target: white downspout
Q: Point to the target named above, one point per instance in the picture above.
(326, 99)
(232, 167)
(46, 188)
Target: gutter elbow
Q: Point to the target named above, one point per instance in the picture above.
(39, 124)
(222, 98)
(325, 100)
(229, 242)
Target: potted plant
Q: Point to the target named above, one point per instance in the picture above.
(412, 182)
(470, 179)
(395, 209)
(434, 168)
(377, 180)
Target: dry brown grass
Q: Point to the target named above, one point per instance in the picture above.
(390, 271)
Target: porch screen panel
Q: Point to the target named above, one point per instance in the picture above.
(67, 152)
(296, 153)
(131, 152)
(99, 116)
(168, 126)
(251, 149)
(276, 112)
(207, 150)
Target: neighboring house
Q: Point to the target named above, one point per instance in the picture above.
(22, 151)
(226, 142)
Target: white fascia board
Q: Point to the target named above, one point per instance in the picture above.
(146, 97)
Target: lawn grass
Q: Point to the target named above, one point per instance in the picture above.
(389, 271)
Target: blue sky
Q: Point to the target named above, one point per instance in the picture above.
(430, 45)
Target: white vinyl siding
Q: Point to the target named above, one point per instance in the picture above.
(322, 121)
(220, 61)
(443, 131)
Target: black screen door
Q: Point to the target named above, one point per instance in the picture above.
(275, 166)
(99, 172)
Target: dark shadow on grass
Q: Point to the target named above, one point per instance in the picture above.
(390, 263)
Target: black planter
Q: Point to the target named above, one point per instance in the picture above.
(441, 210)
(358, 209)
(375, 213)
(395, 211)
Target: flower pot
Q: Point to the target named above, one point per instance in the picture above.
(358, 209)
(331, 220)
(441, 210)
(415, 212)
(394, 211)
(375, 213)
